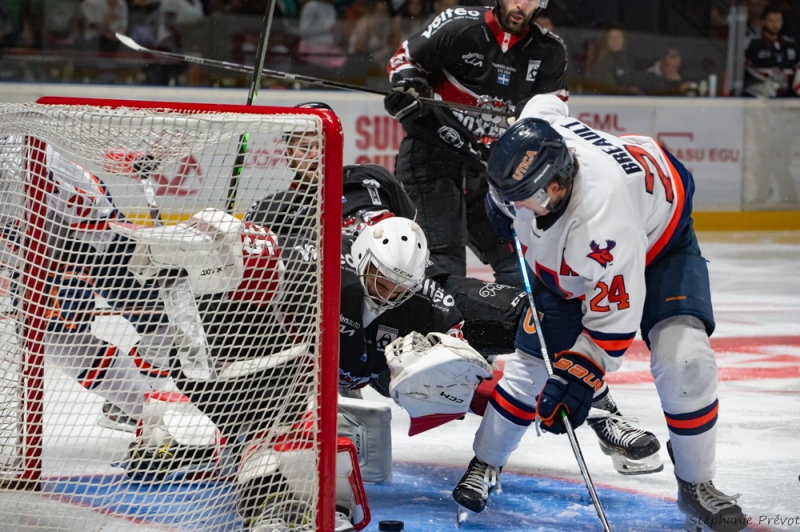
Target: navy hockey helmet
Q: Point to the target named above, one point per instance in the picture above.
(526, 159)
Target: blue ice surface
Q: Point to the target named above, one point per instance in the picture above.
(205, 505)
(421, 496)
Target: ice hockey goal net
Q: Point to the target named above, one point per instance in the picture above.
(251, 360)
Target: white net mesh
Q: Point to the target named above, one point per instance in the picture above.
(159, 362)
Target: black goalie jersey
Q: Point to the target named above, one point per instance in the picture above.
(468, 58)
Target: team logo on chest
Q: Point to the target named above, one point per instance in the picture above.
(533, 69)
(602, 255)
(386, 335)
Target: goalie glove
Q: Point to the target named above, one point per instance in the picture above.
(218, 252)
(434, 378)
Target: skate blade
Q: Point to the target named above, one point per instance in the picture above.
(462, 514)
(646, 466)
(107, 423)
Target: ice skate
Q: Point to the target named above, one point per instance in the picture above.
(474, 488)
(633, 451)
(171, 461)
(266, 505)
(708, 509)
(113, 417)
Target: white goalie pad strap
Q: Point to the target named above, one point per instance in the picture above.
(434, 377)
(208, 247)
(170, 417)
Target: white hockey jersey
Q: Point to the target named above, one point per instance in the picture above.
(626, 204)
(78, 206)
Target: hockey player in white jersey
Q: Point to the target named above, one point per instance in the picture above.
(606, 225)
(87, 259)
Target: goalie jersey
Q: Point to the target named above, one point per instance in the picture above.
(627, 206)
(362, 340)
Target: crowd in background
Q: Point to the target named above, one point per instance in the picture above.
(635, 47)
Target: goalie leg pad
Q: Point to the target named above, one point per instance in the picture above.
(368, 424)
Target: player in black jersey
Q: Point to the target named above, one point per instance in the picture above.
(489, 57)
(773, 63)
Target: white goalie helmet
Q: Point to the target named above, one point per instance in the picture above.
(398, 250)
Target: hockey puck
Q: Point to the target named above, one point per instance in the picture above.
(391, 526)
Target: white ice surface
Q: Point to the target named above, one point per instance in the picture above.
(755, 284)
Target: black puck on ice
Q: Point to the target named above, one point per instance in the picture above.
(391, 526)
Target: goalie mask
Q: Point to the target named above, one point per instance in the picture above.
(390, 259)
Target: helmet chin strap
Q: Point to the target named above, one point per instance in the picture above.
(555, 208)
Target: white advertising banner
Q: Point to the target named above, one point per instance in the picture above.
(714, 137)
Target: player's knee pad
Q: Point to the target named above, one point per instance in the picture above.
(683, 365)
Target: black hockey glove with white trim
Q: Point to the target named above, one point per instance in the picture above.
(403, 104)
(571, 388)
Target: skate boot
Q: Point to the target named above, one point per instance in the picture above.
(113, 417)
(474, 488)
(633, 451)
(266, 505)
(706, 508)
(171, 461)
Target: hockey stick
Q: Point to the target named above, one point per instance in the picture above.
(576, 448)
(252, 94)
(133, 45)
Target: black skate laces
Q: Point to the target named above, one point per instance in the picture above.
(616, 427)
(482, 478)
(711, 498)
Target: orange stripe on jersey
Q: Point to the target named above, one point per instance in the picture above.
(692, 423)
(676, 216)
(145, 366)
(518, 412)
(88, 381)
(613, 345)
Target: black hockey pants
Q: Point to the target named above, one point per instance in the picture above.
(449, 196)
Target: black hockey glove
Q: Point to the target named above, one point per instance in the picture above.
(402, 102)
(572, 387)
(503, 225)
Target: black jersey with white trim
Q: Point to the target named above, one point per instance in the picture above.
(468, 58)
(361, 347)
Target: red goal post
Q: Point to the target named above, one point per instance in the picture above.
(177, 200)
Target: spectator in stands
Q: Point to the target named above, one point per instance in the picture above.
(754, 10)
(317, 39)
(664, 77)
(440, 6)
(612, 71)
(373, 34)
(101, 20)
(356, 10)
(545, 22)
(61, 24)
(9, 27)
(411, 19)
(772, 60)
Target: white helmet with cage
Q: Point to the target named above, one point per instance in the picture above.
(397, 250)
